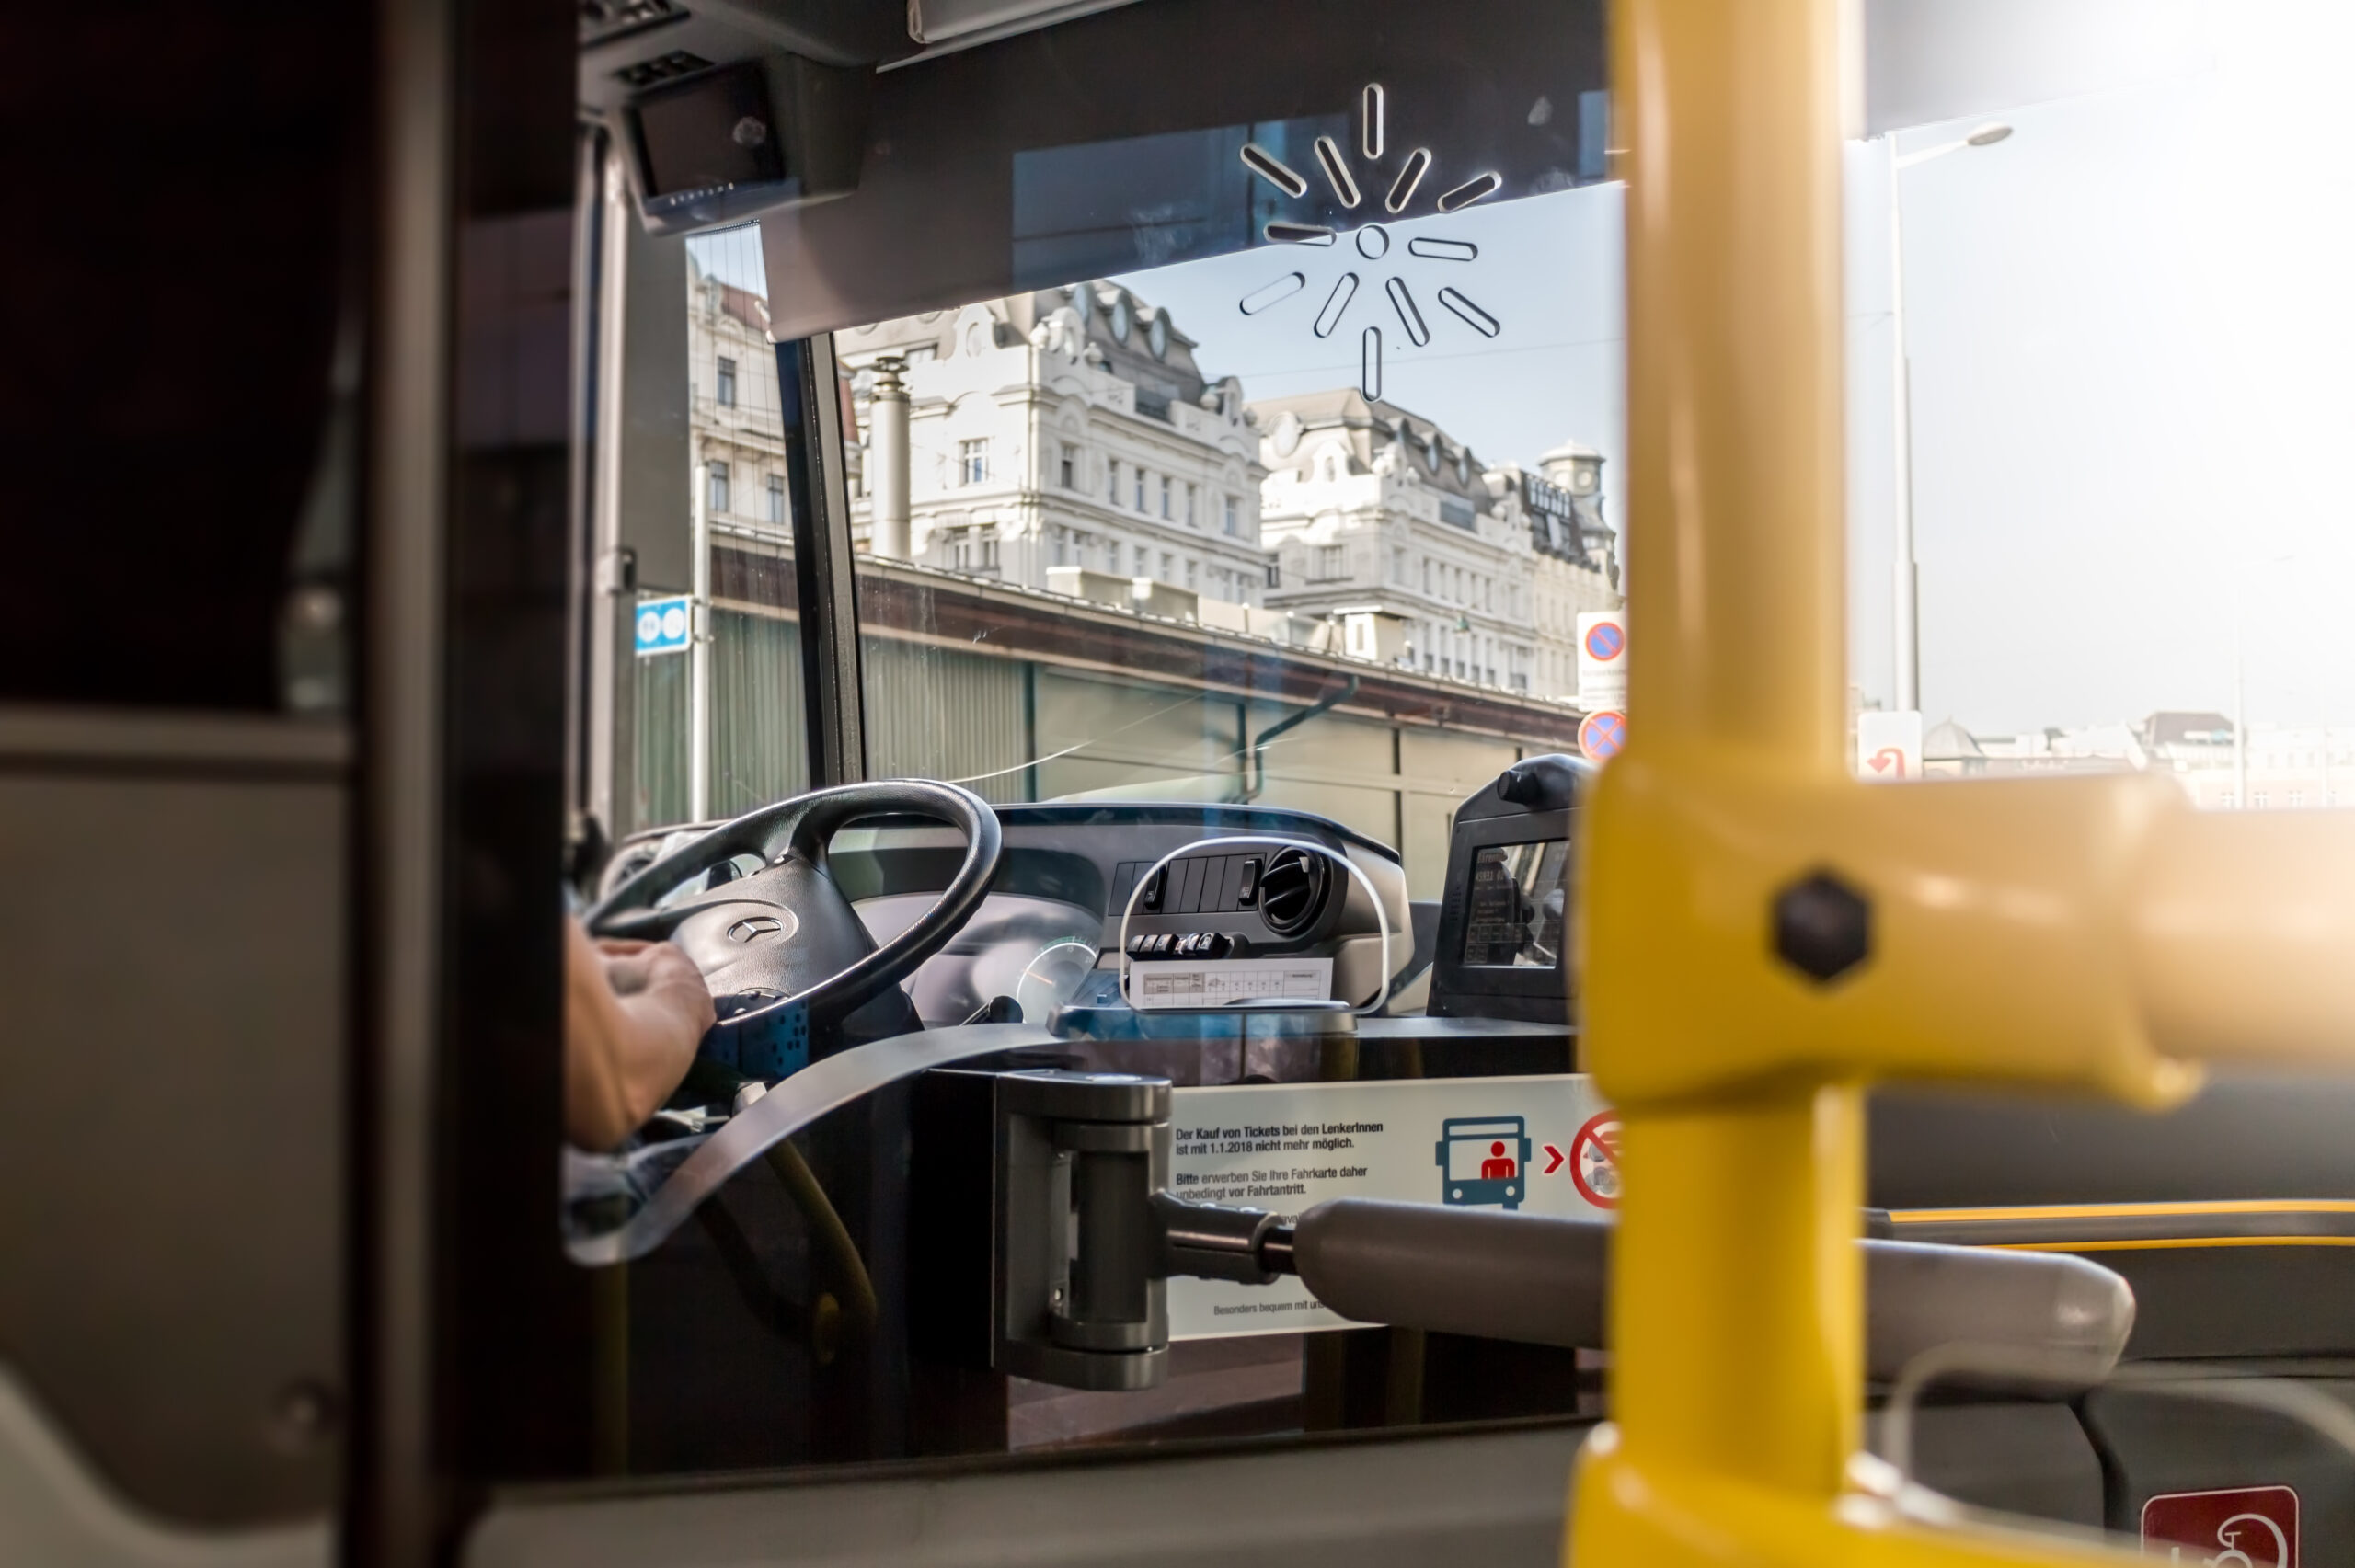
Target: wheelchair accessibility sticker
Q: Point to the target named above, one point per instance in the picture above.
(1465, 1142)
(2246, 1526)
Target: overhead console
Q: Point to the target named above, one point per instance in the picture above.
(723, 110)
(726, 109)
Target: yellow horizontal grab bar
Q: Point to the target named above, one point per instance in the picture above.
(2244, 937)
(2094, 934)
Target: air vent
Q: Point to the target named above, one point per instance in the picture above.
(662, 68)
(1292, 890)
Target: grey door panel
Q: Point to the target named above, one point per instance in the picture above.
(172, 1029)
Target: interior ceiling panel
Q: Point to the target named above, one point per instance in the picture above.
(1111, 143)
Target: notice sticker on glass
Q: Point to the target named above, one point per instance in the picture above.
(1504, 1143)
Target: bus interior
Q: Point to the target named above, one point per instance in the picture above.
(1076, 558)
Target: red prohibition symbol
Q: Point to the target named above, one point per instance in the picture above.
(1595, 1160)
(1602, 734)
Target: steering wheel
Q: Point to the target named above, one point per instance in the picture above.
(783, 934)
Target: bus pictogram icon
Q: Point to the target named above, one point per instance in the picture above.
(1483, 1160)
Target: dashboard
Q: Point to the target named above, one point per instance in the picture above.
(1069, 870)
(1067, 873)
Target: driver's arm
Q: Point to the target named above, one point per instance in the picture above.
(634, 1012)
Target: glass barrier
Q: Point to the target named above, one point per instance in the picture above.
(1308, 525)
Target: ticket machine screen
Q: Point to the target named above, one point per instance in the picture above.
(1513, 911)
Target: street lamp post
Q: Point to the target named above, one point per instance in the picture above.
(2240, 685)
(1907, 629)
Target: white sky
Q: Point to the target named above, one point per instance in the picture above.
(2131, 328)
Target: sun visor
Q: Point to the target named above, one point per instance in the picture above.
(1117, 141)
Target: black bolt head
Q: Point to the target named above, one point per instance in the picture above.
(1823, 928)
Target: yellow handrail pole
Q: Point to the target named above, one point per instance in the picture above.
(1728, 111)
(1736, 1334)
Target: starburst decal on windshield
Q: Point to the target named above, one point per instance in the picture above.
(1370, 240)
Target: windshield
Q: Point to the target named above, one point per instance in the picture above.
(2095, 522)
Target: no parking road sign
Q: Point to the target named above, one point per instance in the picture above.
(1602, 734)
(1603, 658)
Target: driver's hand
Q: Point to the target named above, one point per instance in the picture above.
(634, 1012)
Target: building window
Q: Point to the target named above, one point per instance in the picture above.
(1140, 563)
(726, 382)
(1112, 481)
(2258, 799)
(777, 497)
(972, 549)
(1189, 506)
(716, 493)
(1061, 546)
(1070, 472)
(1166, 488)
(1194, 581)
(1426, 574)
(1332, 562)
(1140, 490)
(1168, 566)
(973, 462)
(1275, 575)
(2297, 797)
(1234, 517)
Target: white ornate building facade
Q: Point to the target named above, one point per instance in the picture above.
(1072, 428)
(736, 432)
(1371, 509)
(1067, 428)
